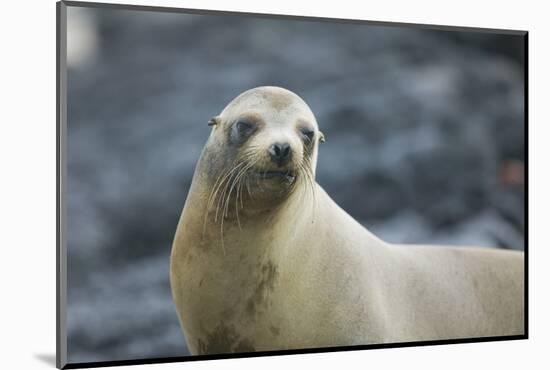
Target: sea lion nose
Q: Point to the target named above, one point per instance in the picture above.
(280, 153)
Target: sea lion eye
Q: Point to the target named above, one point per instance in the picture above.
(243, 126)
(241, 130)
(307, 133)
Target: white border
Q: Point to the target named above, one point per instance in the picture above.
(27, 189)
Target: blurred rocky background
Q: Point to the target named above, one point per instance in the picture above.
(425, 144)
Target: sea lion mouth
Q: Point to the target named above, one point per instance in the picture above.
(283, 175)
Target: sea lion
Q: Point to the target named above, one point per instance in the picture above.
(263, 259)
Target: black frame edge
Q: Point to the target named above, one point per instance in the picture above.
(149, 361)
(61, 108)
(167, 9)
(526, 179)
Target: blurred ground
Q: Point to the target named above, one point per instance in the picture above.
(424, 128)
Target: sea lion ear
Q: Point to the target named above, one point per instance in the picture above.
(322, 138)
(214, 121)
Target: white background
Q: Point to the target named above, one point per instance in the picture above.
(27, 183)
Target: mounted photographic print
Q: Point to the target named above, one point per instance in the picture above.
(234, 184)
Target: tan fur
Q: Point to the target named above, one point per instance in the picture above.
(304, 274)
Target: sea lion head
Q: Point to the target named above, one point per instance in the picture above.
(263, 146)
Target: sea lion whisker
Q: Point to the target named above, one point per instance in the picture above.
(228, 198)
(239, 191)
(211, 198)
(225, 174)
(309, 183)
(225, 186)
(222, 216)
(234, 182)
(212, 192)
